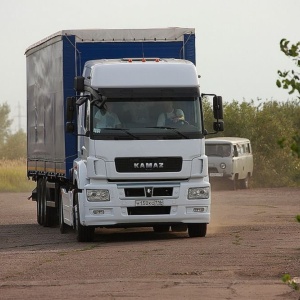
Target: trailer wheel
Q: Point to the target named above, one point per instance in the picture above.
(83, 233)
(197, 230)
(39, 207)
(161, 228)
(49, 213)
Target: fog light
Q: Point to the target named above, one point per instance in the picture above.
(198, 209)
(98, 211)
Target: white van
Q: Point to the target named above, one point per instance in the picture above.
(230, 158)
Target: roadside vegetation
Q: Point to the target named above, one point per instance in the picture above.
(272, 126)
(13, 176)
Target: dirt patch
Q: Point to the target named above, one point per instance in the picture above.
(252, 241)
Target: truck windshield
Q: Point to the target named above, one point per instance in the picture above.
(147, 118)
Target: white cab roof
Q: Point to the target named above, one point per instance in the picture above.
(118, 73)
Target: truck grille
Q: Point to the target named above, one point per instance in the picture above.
(146, 192)
(148, 164)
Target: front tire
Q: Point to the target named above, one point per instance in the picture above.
(245, 182)
(83, 233)
(62, 226)
(197, 230)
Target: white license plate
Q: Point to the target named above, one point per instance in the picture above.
(149, 202)
(216, 174)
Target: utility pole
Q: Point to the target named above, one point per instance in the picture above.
(20, 116)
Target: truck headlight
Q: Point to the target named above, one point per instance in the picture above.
(198, 193)
(223, 166)
(97, 195)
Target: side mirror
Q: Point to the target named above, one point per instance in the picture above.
(79, 84)
(70, 127)
(71, 105)
(71, 108)
(218, 107)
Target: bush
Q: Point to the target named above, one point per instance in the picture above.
(13, 176)
(271, 127)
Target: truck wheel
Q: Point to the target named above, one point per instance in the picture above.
(83, 233)
(62, 226)
(197, 230)
(245, 182)
(161, 228)
(49, 213)
(39, 208)
(179, 228)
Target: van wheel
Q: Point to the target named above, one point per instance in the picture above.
(245, 182)
(235, 182)
(197, 230)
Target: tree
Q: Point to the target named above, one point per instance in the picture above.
(15, 146)
(291, 80)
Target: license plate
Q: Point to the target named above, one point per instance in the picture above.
(149, 203)
(216, 174)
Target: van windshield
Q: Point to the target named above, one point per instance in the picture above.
(223, 150)
(147, 118)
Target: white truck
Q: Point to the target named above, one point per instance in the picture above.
(95, 147)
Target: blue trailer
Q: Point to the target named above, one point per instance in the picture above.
(52, 64)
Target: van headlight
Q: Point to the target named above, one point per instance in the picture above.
(223, 166)
(97, 195)
(198, 193)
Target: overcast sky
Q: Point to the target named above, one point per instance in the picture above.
(237, 41)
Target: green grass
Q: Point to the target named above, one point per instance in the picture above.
(13, 176)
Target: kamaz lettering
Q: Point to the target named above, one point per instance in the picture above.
(148, 165)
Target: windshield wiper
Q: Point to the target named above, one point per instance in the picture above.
(172, 128)
(124, 130)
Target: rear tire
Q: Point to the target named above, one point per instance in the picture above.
(83, 233)
(49, 213)
(39, 208)
(197, 230)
